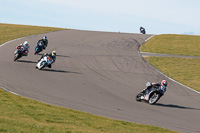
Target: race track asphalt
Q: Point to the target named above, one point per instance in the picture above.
(100, 73)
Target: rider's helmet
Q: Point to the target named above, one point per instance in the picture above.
(164, 82)
(148, 84)
(25, 43)
(53, 53)
(44, 38)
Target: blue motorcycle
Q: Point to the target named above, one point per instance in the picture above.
(39, 47)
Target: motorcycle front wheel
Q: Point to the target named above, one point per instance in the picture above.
(138, 97)
(16, 56)
(42, 65)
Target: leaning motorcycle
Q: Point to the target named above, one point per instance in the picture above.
(39, 47)
(143, 31)
(18, 53)
(151, 96)
(45, 61)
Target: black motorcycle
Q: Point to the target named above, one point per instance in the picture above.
(142, 30)
(151, 96)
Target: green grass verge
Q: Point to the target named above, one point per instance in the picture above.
(11, 31)
(184, 70)
(173, 44)
(18, 114)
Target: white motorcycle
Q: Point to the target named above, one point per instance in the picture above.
(45, 61)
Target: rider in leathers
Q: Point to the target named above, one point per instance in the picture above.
(161, 85)
(44, 41)
(142, 30)
(52, 55)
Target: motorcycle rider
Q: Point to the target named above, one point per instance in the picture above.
(44, 41)
(52, 55)
(161, 86)
(142, 30)
(25, 48)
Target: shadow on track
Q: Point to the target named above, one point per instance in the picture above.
(174, 106)
(61, 71)
(39, 54)
(56, 55)
(62, 56)
(26, 61)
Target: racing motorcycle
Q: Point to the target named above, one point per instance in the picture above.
(18, 53)
(39, 47)
(151, 96)
(142, 30)
(44, 62)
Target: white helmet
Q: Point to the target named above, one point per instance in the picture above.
(26, 43)
(148, 84)
(53, 53)
(44, 38)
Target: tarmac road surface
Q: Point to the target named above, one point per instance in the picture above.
(100, 73)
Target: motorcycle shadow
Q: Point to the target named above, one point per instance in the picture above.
(61, 71)
(56, 55)
(26, 61)
(175, 106)
(62, 56)
(39, 54)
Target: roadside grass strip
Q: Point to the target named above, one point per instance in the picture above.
(173, 45)
(19, 114)
(11, 31)
(183, 70)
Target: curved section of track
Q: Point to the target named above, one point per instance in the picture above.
(99, 73)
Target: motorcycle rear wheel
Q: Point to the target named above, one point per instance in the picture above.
(154, 98)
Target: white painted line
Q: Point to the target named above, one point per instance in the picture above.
(149, 38)
(9, 91)
(9, 41)
(176, 81)
(0, 47)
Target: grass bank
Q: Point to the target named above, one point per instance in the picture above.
(11, 31)
(173, 44)
(19, 114)
(184, 70)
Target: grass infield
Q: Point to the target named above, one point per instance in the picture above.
(173, 44)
